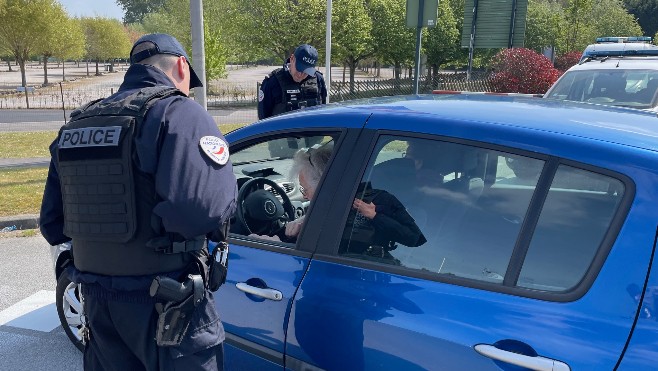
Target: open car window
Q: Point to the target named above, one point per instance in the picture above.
(270, 194)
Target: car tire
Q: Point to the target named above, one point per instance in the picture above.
(69, 309)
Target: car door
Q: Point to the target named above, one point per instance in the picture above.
(509, 270)
(264, 274)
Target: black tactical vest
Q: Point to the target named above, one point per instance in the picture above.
(295, 95)
(108, 201)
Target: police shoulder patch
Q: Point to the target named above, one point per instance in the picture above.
(261, 95)
(215, 148)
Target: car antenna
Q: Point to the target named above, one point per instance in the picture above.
(61, 90)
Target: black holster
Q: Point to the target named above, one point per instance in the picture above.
(180, 301)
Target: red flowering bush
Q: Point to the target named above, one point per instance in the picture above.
(521, 70)
(567, 60)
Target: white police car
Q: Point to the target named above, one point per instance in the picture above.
(620, 74)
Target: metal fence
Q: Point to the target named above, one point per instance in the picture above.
(230, 94)
(343, 91)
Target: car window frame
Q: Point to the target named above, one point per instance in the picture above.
(328, 249)
(305, 246)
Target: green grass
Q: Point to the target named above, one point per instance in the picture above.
(26, 144)
(21, 190)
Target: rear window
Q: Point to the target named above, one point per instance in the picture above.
(447, 210)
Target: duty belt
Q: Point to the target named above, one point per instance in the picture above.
(165, 245)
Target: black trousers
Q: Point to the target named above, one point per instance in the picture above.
(122, 336)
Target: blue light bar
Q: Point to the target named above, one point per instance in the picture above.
(623, 39)
(629, 52)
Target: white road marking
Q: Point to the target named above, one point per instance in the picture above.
(37, 312)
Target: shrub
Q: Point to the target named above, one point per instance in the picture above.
(566, 60)
(521, 70)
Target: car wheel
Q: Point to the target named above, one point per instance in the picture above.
(69, 309)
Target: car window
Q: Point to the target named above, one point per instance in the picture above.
(266, 179)
(457, 210)
(634, 88)
(427, 196)
(574, 219)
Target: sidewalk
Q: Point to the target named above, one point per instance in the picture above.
(14, 163)
(26, 221)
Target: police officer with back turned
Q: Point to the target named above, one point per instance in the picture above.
(138, 182)
(295, 85)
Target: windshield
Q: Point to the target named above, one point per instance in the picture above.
(629, 88)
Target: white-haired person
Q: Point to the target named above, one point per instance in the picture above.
(308, 166)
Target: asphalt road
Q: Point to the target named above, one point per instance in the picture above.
(30, 335)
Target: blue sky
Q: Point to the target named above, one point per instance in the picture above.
(92, 8)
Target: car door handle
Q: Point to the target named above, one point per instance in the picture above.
(269, 294)
(534, 363)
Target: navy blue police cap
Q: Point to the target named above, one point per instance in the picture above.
(306, 57)
(163, 44)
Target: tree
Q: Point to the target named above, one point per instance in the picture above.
(646, 12)
(545, 25)
(62, 38)
(136, 10)
(589, 19)
(174, 19)
(7, 57)
(135, 31)
(578, 33)
(352, 39)
(394, 42)
(610, 18)
(70, 43)
(106, 40)
(277, 27)
(23, 25)
(442, 44)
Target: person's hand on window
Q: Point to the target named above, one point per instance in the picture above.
(365, 208)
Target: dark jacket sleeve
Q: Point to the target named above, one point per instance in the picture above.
(266, 98)
(51, 218)
(323, 87)
(197, 194)
(394, 223)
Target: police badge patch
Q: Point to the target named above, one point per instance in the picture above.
(261, 95)
(215, 148)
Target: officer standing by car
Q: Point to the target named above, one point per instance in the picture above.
(137, 182)
(295, 85)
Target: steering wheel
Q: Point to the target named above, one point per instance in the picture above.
(261, 211)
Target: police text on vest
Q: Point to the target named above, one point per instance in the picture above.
(90, 137)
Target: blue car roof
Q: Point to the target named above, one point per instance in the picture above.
(629, 127)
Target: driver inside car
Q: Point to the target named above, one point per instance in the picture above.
(308, 167)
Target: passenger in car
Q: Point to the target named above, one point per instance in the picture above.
(424, 153)
(647, 94)
(526, 170)
(377, 224)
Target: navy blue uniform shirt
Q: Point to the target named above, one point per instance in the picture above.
(270, 92)
(197, 194)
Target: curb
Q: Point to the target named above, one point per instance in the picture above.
(28, 221)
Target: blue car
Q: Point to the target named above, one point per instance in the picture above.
(510, 233)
